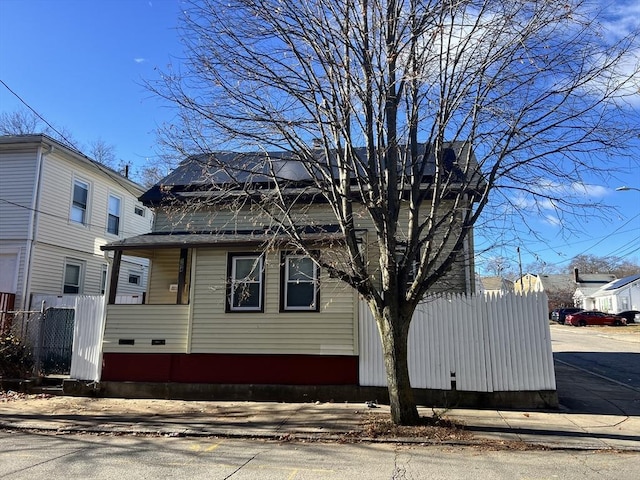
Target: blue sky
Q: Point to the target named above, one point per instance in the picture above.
(81, 64)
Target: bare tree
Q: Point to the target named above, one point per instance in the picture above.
(23, 122)
(500, 266)
(104, 153)
(610, 264)
(532, 91)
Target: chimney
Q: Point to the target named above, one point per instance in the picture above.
(126, 170)
(576, 277)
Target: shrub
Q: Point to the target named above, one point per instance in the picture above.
(15, 357)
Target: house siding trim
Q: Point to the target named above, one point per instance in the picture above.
(231, 369)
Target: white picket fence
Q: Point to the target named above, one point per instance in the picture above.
(483, 343)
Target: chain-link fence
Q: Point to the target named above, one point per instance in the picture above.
(49, 335)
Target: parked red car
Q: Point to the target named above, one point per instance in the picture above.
(593, 317)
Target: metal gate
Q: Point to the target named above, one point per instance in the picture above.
(56, 341)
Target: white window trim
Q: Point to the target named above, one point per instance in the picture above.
(142, 209)
(136, 273)
(81, 273)
(233, 282)
(120, 217)
(314, 281)
(87, 211)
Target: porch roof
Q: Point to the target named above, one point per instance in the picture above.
(159, 240)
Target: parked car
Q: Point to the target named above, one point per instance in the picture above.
(559, 314)
(630, 315)
(593, 317)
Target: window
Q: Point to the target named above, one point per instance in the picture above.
(299, 275)
(138, 211)
(103, 279)
(113, 222)
(134, 278)
(246, 282)
(79, 203)
(73, 272)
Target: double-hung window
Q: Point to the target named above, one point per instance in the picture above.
(73, 273)
(79, 202)
(299, 274)
(246, 283)
(113, 220)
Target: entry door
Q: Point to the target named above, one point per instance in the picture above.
(8, 272)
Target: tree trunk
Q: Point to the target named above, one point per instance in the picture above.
(395, 334)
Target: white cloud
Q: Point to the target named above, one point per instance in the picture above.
(552, 220)
(139, 60)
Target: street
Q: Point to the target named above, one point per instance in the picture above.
(605, 351)
(29, 455)
(585, 359)
(605, 356)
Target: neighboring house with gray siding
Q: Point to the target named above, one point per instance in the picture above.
(57, 208)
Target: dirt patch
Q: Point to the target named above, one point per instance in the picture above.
(442, 429)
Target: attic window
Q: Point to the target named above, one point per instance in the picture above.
(138, 211)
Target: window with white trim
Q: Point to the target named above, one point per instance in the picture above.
(299, 286)
(246, 283)
(135, 278)
(79, 202)
(113, 220)
(73, 276)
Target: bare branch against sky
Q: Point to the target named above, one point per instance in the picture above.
(372, 98)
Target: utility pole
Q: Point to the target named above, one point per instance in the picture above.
(520, 266)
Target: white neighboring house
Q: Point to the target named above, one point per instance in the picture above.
(617, 296)
(57, 208)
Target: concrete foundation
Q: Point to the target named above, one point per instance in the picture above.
(305, 393)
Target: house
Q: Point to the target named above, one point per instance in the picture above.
(529, 282)
(617, 296)
(496, 285)
(57, 208)
(564, 290)
(229, 300)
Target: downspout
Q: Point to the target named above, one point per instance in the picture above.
(35, 206)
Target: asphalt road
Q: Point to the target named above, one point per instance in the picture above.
(597, 371)
(28, 456)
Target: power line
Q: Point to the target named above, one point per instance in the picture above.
(61, 217)
(36, 113)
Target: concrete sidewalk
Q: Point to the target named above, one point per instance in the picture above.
(595, 413)
(310, 421)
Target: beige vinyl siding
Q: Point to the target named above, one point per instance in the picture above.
(47, 269)
(163, 272)
(317, 214)
(246, 219)
(56, 194)
(144, 323)
(17, 180)
(329, 331)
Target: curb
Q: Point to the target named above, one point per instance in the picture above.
(333, 437)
